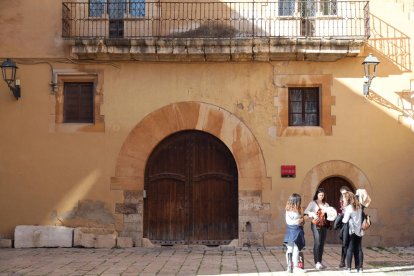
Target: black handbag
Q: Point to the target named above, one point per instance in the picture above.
(338, 222)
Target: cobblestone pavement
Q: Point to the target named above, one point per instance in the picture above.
(191, 261)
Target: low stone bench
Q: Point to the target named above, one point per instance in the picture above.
(26, 236)
(94, 237)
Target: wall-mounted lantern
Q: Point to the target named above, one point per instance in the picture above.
(8, 69)
(370, 69)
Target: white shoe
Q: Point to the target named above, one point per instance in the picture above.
(320, 266)
(298, 270)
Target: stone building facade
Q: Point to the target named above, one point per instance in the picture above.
(232, 85)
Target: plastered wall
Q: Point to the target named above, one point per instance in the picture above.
(65, 176)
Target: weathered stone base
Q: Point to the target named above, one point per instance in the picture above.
(124, 242)
(42, 236)
(254, 217)
(94, 238)
(133, 212)
(5, 243)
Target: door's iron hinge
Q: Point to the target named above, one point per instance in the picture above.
(144, 193)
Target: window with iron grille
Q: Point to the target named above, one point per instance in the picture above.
(96, 8)
(116, 8)
(78, 104)
(137, 8)
(286, 7)
(304, 106)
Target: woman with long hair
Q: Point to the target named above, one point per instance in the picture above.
(343, 231)
(353, 216)
(316, 210)
(295, 236)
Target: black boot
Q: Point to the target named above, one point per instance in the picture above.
(290, 263)
(343, 254)
(342, 263)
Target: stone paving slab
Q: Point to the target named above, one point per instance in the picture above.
(187, 261)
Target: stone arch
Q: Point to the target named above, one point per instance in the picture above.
(143, 138)
(331, 168)
(130, 165)
(353, 175)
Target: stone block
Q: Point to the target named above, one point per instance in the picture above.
(26, 236)
(94, 237)
(132, 196)
(130, 227)
(126, 208)
(124, 242)
(232, 245)
(260, 227)
(147, 243)
(131, 218)
(5, 243)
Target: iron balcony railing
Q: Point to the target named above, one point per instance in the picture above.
(136, 19)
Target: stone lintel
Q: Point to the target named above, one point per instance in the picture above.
(210, 49)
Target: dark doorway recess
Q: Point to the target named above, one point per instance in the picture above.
(191, 187)
(332, 186)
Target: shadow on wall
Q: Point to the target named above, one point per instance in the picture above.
(90, 214)
(391, 43)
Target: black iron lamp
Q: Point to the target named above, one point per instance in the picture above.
(8, 69)
(370, 68)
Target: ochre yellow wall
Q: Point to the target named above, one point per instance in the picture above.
(46, 174)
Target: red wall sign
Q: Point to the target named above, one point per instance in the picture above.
(288, 171)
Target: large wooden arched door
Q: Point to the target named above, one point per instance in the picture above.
(191, 191)
(332, 186)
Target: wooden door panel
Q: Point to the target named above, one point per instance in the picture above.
(192, 194)
(214, 178)
(166, 215)
(214, 214)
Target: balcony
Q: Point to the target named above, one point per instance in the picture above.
(215, 31)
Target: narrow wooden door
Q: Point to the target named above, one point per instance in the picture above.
(332, 186)
(191, 191)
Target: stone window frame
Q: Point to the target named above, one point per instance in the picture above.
(56, 123)
(281, 102)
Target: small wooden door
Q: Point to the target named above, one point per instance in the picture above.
(191, 191)
(332, 186)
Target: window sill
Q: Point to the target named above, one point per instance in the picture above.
(77, 127)
(304, 131)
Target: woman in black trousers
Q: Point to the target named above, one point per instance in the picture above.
(344, 229)
(353, 216)
(319, 233)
